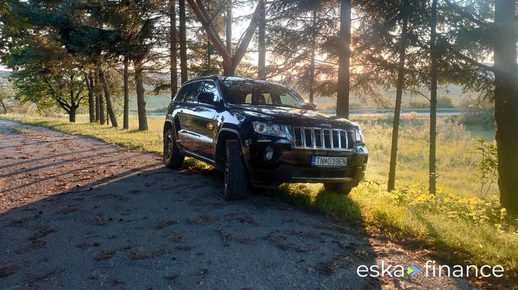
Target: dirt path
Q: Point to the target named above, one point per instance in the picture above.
(76, 213)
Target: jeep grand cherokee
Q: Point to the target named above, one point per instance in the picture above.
(261, 134)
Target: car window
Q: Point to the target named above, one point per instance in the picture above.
(261, 93)
(289, 100)
(192, 94)
(181, 94)
(210, 87)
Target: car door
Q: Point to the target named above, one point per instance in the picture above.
(185, 111)
(200, 125)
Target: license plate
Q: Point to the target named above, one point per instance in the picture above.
(324, 161)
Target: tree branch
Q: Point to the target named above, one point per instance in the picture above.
(243, 46)
(201, 13)
(472, 61)
(58, 99)
(463, 13)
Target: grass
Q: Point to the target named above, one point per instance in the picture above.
(150, 140)
(481, 131)
(462, 221)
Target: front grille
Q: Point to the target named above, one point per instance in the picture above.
(319, 138)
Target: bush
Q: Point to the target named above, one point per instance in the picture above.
(443, 101)
(477, 113)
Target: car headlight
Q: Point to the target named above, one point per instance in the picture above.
(270, 129)
(358, 136)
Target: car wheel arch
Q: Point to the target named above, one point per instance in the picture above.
(223, 136)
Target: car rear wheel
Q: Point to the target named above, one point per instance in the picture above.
(235, 172)
(173, 158)
(339, 188)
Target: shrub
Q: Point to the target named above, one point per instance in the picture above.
(477, 113)
(443, 101)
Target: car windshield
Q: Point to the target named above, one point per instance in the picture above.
(245, 92)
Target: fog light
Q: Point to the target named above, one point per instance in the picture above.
(268, 153)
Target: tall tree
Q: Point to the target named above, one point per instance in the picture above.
(400, 82)
(342, 100)
(183, 41)
(173, 48)
(506, 102)
(261, 41)
(91, 95)
(312, 66)
(125, 122)
(141, 99)
(229, 23)
(107, 97)
(433, 98)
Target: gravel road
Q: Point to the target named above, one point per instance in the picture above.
(77, 213)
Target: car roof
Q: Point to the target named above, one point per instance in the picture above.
(229, 78)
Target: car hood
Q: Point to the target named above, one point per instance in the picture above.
(296, 117)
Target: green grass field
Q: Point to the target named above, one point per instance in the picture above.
(464, 221)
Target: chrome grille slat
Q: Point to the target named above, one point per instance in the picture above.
(321, 138)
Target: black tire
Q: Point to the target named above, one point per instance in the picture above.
(339, 188)
(235, 172)
(173, 158)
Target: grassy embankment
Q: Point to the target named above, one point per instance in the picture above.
(463, 221)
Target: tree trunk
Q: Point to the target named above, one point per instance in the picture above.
(312, 62)
(141, 99)
(506, 104)
(433, 99)
(95, 81)
(342, 99)
(101, 102)
(399, 94)
(91, 98)
(72, 108)
(261, 41)
(109, 107)
(229, 27)
(173, 57)
(72, 115)
(125, 121)
(3, 106)
(229, 70)
(183, 42)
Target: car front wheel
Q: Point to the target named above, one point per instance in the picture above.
(235, 172)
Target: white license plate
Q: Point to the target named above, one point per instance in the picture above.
(324, 161)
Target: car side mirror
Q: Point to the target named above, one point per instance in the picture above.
(206, 98)
(311, 105)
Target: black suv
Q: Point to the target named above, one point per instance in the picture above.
(261, 135)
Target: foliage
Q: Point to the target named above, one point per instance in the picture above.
(12, 27)
(45, 74)
(291, 26)
(477, 112)
(443, 101)
(487, 168)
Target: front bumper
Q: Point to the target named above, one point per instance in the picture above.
(288, 174)
(290, 165)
